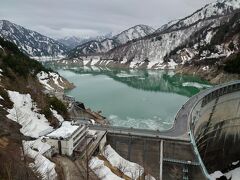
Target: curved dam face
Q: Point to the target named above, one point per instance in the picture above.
(216, 127)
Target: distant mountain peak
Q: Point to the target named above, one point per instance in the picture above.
(73, 41)
(97, 46)
(218, 8)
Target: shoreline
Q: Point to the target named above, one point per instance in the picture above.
(213, 75)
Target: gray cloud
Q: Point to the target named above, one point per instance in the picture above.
(59, 18)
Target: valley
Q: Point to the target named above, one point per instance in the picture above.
(120, 90)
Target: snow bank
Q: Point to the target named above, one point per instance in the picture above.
(64, 131)
(25, 113)
(102, 171)
(42, 165)
(130, 169)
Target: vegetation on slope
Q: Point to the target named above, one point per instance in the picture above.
(14, 59)
(18, 73)
(233, 64)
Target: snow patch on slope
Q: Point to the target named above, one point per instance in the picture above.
(130, 169)
(25, 112)
(41, 165)
(56, 115)
(50, 80)
(102, 171)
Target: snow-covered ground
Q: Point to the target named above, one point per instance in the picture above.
(25, 112)
(102, 171)
(45, 78)
(41, 165)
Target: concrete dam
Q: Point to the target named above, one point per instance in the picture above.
(204, 137)
(210, 143)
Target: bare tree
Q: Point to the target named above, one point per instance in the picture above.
(122, 166)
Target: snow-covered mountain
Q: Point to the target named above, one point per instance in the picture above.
(154, 50)
(73, 41)
(132, 33)
(30, 42)
(96, 46)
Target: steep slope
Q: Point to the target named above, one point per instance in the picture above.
(97, 47)
(154, 49)
(210, 11)
(212, 53)
(30, 42)
(26, 113)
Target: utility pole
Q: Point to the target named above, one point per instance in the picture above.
(160, 159)
(87, 159)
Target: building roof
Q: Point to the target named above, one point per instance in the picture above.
(65, 131)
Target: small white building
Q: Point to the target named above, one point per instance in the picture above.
(66, 138)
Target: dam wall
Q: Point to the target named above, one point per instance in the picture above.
(162, 158)
(216, 127)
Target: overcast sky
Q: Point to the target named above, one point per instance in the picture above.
(59, 18)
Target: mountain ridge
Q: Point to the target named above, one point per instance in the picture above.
(96, 47)
(31, 42)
